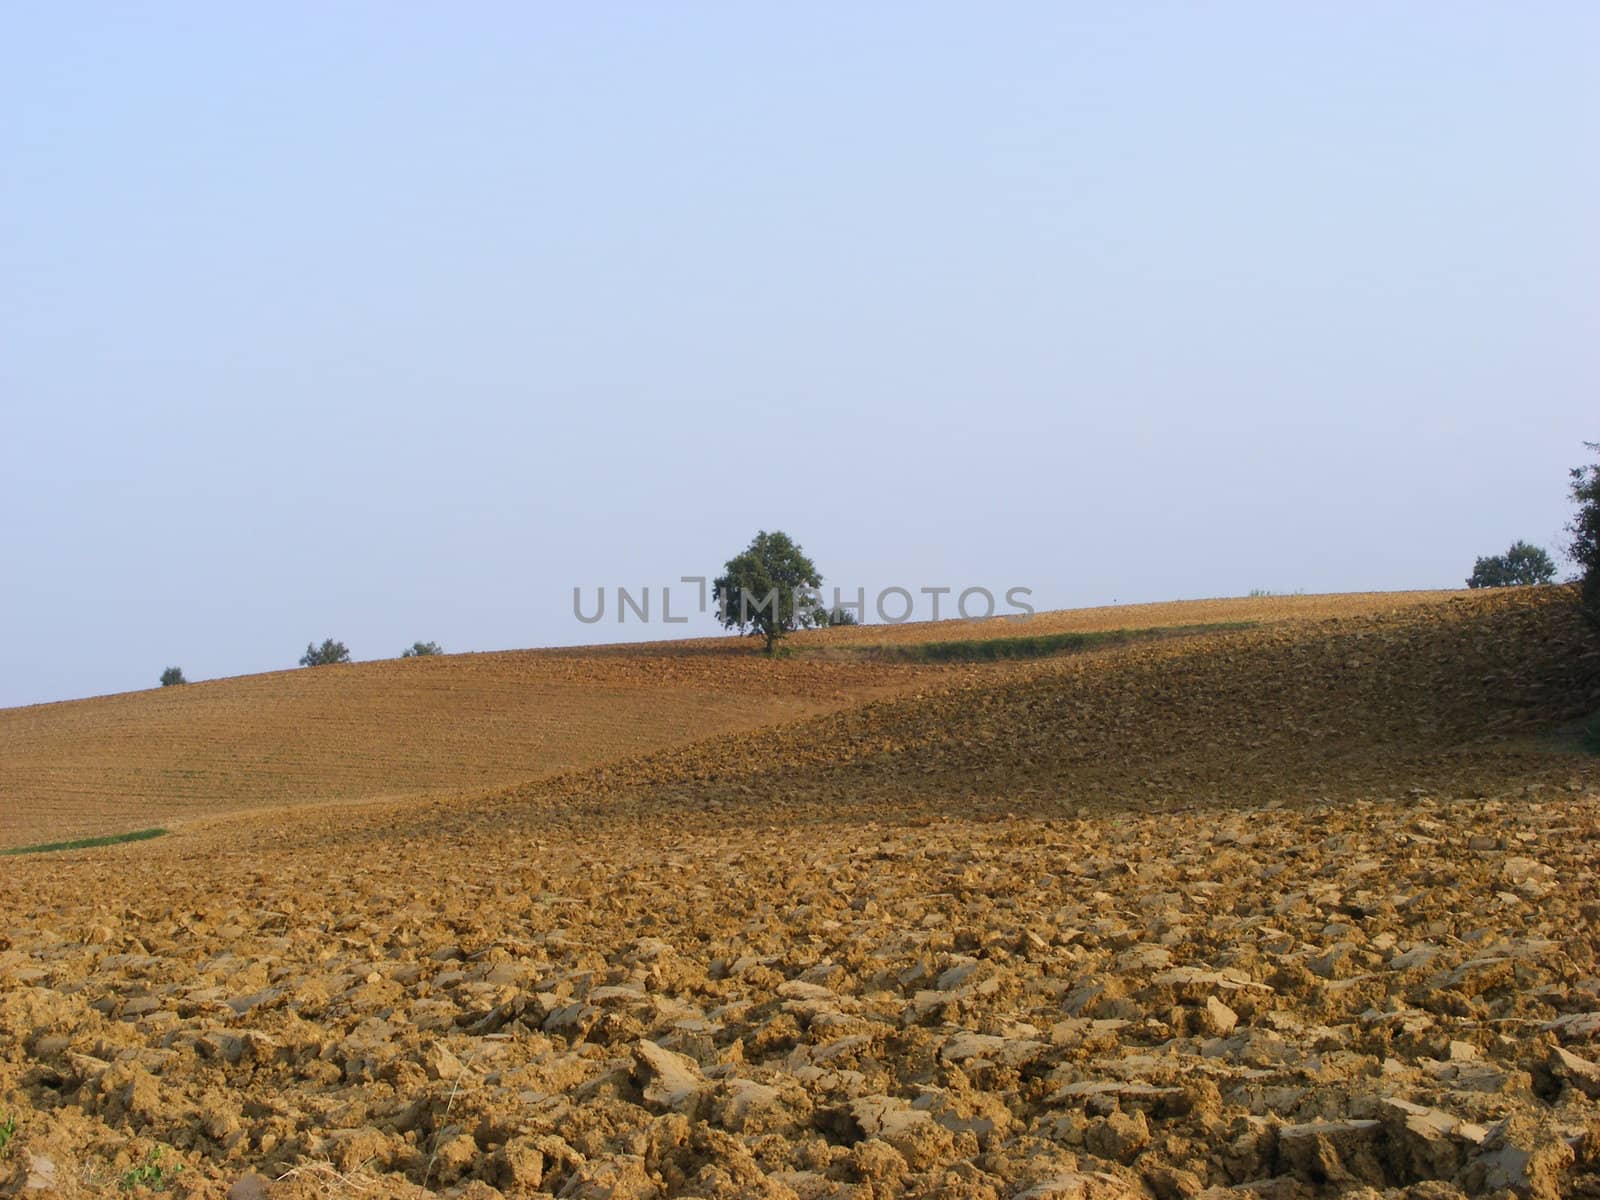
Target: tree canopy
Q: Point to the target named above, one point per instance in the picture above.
(1519, 566)
(321, 656)
(1584, 549)
(769, 589)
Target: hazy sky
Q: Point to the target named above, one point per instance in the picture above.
(396, 322)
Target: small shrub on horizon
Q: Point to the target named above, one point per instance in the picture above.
(422, 650)
(829, 618)
(172, 677)
(324, 655)
(1521, 566)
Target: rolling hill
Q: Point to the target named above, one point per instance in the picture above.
(459, 724)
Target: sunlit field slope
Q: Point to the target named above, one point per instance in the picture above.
(402, 727)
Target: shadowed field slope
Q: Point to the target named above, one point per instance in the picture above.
(1422, 697)
(1259, 609)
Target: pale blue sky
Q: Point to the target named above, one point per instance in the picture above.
(391, 322)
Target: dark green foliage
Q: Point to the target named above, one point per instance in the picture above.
(172, 677)
(422, 650)
(1045, 644)
(1591, 735)
(110, 839)
(321, 656)
(771, 589)
(1519, 566)
(1585, 530)
(829, 617)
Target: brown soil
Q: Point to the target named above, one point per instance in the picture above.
(458, 724)
(453, 724)
(1293, 912)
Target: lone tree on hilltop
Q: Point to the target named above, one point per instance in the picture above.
(422, 650)
(1519, 566)
(172, 676)
(771, 589)
(321, 656)
(1585, 530)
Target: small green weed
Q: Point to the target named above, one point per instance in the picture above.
(8, 1130)
(151, 1173)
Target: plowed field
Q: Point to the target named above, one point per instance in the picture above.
(458, 724)
(398, 728)
(1301, 910)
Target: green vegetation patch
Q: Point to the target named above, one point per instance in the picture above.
(1046, 644)
(110, 839)
(152, 1173)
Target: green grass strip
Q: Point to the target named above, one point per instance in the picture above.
(110, 839)
(1043, 645)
